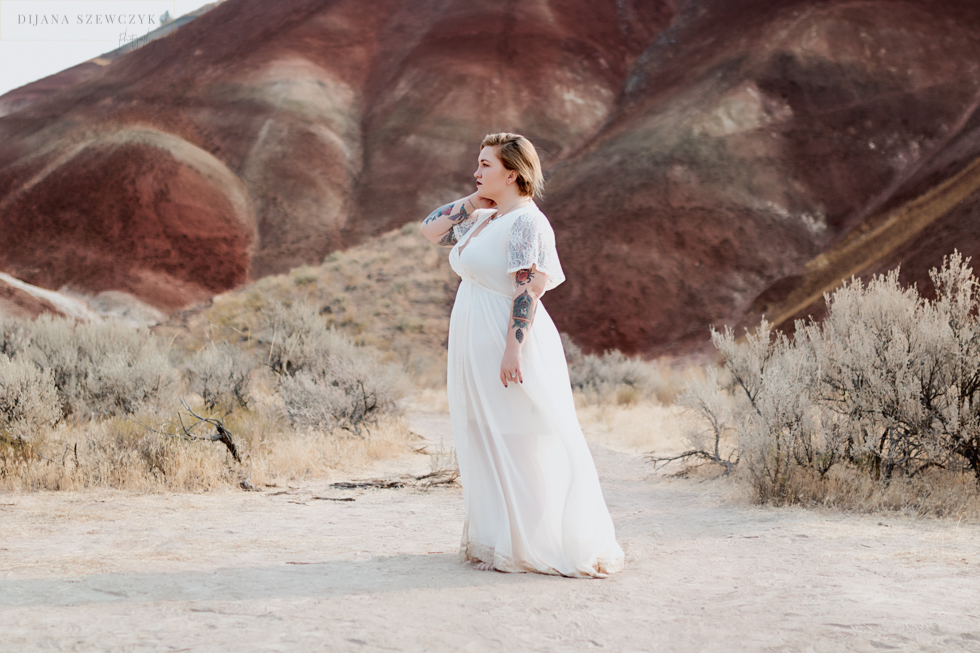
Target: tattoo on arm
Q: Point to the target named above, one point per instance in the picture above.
(523, 277)
(523, 313)
(460, 215)
(442, 210)
(447, 210)
(449, 238)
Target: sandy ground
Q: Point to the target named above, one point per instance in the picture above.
(236, 571)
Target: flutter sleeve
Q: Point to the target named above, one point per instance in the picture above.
(532, 242)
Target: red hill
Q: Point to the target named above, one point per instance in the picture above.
(707, 161)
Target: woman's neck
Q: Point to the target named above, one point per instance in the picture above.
(513, 203)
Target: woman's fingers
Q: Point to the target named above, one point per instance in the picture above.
(514, 374)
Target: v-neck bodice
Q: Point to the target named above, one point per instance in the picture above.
(477, 231)
(481, 257)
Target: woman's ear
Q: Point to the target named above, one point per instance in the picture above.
(511, 176)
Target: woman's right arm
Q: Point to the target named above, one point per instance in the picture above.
(438, 227)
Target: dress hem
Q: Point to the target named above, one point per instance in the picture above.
(476, 552)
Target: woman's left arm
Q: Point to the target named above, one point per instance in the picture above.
(529, 285)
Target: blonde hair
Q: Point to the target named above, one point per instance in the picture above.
(517, 154)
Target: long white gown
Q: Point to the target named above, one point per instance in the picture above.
(530, 489)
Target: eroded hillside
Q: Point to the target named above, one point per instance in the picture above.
(707, 161)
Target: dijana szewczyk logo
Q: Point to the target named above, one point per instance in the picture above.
(115, 22)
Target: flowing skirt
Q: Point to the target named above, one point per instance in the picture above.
(530, 489)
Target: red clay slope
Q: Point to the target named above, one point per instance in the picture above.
(747, 142)
(239, 146)
(700, 154)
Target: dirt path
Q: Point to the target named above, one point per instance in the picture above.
(98, 571)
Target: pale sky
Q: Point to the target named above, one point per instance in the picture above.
(35, 41)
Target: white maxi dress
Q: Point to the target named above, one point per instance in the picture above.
(530, 489)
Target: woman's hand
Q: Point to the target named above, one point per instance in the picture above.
(510, 366)
(481, 202)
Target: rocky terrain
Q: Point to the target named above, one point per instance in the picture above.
(708, 161)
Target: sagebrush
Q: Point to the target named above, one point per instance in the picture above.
(97, 404)
(885, 388)
(28, 407)
(99, 369)
(221, 374)
(326, 381)
(613, 376)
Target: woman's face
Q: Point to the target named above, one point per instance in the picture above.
(491, 176)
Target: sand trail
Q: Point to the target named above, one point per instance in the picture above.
(108, 571)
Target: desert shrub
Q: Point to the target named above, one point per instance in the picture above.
(28, 406)
(612, 375)
(99, 368)
(14, 335)
(324, 380)
(221, 374)
(886, 387)
(709, 437)
(779, 427)
(139, 443)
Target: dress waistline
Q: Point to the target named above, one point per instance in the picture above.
(482, 287)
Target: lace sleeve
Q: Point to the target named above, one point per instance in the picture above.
(532, 241)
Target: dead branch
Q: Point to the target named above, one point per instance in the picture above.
(693, 453)
(439, 477)
(68, 449)
(425, 481)
(378, 483)
(221, 434)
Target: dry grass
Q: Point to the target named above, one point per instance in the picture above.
(125, 453)
(612, 377)
(636, 427)
(936, 493)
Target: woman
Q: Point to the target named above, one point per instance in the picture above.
(530, 490)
